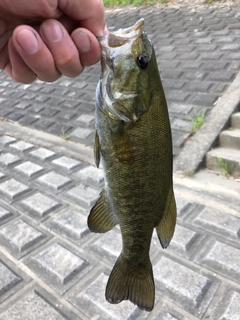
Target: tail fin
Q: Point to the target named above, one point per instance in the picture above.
(127, 282)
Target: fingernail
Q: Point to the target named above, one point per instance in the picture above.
(82, 41)
(27, 40)
(52, 31)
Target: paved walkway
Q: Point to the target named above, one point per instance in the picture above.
(199, 56)
(51, 266)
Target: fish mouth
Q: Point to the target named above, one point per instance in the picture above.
(120, 37)
(113, 41)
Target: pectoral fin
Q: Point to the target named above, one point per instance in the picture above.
(97, 154)
(101, 219)
(166, 226)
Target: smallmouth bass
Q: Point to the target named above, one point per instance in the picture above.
(133, 141)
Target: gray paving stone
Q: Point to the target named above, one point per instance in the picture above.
(234, 55)
(91, 175)
(167, 313)
(28, 120)
(54, 101)
(189, 289)
(39, 205)
(4, 215)
(234, 66)
(22, 105)
(222, 258)
(225, 39)
(228, 307)
(178, 141)
(14, 116)
(36, 108)
(177, 96)
(81, 134)
(71, 224)
(219, 88)
(31, 306)
(42, 154)
(83, 195)
(8, 279)
(67, 164)
(173, 84)
(12, 189)
(49, 112)
(188, 56)
(203, 99)
(63, 115)
(175, 107)
(53, 181)
(57, 266)
(108, 246)
(199, 86)
(184, 207)
(21, 146)
(79, 84)
(86, 119)
(226, 76)
(183, 241)
(29, 96)
(6, 140)
(180, 124)
(29, 169)
(211, 56)
(191, 65)
(91, 301)
(231, 47)
(43, 124)
(19, 237)
(60, 130)
(220, 222)
(4, 113)
(8, 160)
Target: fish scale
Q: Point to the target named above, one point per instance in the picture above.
(133, 142)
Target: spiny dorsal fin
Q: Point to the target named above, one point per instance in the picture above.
(131, 283)
(101, 219)
(166, 226)
(96, 150)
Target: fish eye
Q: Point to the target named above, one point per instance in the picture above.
(142, 61)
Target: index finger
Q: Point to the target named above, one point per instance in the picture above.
(90, 14)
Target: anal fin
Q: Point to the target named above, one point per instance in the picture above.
(101, 219)
(166, 226)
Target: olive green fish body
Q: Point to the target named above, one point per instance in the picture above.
(133, 141)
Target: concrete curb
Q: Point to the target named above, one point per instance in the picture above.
(77, 150)
(193, 154)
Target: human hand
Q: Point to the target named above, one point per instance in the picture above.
(47, 38)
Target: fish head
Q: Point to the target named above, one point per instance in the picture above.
(128, 63)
